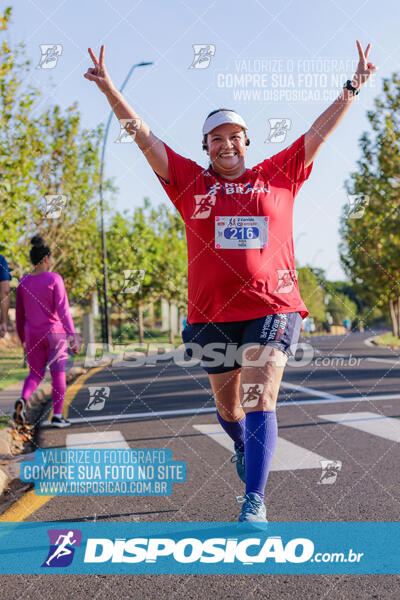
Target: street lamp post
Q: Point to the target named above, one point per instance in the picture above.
(106, 328)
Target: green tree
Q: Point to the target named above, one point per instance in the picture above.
(147, 257)
(47, 155)
(340, 298)
(340, 306)
(18, 143)
(69, 166)
(312, 293)
(174, 273)
(370, 247)
(134, 257)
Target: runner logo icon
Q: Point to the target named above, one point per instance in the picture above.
(133, 279)
(50, 54)
(61, 552)
(54, 205)
(330, 470)
(202, 55)
(252, 393)
(204, 204)
(98, 397)
(278, 130)
(286, 281)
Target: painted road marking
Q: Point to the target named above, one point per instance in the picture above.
(193, 411)
(369, 422)
(25, 506)
(288, 456)
(310, 391)
(141, 415)
(30, 502)
(388, 360)
(97, 440)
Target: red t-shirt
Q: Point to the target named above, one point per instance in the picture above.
(239, 236)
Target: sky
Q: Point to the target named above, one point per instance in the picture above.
(269, 61)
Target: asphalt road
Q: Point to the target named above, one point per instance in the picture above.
(346, 381)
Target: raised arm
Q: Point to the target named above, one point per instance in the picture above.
(151, 146)
(322, 128)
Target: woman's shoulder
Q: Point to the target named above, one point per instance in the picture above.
(47, 276)
(23, 279)
(56, 277)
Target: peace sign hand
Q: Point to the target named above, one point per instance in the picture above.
(364, 68)
(99, 74)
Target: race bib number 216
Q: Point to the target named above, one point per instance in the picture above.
(239, 233)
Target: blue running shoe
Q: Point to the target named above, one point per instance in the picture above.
(253, 509)
(238, 458)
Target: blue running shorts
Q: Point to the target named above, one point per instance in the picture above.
(220, 345)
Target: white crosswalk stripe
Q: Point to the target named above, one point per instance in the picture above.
(97, 440)
(368, 422)
(288, 456)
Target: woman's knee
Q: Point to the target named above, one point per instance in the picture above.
(225, 387)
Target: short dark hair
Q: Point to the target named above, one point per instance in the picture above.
(39, 250)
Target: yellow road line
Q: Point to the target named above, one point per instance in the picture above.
(73, 389)
(25, 506)
(31, 502)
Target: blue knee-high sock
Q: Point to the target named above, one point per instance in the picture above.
(260, 442)
(235, 430)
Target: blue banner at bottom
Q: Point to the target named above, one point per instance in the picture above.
(200, 548)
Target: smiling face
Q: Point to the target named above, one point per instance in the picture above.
(226, 147)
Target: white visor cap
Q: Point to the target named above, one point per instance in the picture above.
(221, 117)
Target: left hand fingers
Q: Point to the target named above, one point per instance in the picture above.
(360, 52)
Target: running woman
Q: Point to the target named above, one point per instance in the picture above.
(45, 328)
(242, 287)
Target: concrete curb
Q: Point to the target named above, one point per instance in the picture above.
(16, 446)
(371, 342)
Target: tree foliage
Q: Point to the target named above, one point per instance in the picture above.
(312, 293)
(146, 259)
(43, 155)
(370, 247)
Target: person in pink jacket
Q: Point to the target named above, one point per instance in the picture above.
(45, 328)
